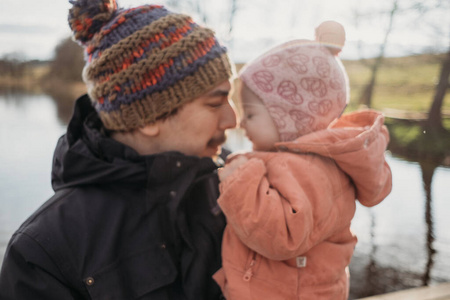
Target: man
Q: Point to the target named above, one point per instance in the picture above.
(134, 215)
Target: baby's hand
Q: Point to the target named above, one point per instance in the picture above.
(231, 167)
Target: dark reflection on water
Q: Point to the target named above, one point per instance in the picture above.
(427, 176)
(419, 268)
(403, 242)
(64, 106)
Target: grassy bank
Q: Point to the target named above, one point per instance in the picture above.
(35, 80)
(404, 83)
(29, 81)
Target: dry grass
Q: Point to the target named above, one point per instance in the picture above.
(405, 83)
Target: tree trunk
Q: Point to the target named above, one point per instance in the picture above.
(366, 96)
(434, 121)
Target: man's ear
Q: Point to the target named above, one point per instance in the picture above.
(151, 130)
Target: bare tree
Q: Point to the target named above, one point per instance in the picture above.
(68, 62)
(206, 12)
(13, 65)
(173, 3)
(201, 9)
(367, 94)
(233, 10)
(434, 121)
(439, 27)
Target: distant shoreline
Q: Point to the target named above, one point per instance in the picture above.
(403, 83)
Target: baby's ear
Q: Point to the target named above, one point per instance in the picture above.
(150, 129)
(332, 35)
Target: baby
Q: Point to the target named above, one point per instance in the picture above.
(290, 202)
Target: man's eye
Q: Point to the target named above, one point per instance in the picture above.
(215, 104)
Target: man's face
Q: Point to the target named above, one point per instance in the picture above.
(198, 128)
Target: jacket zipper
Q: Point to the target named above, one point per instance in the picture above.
(249, 272)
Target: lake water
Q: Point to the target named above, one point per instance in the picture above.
(402, 242)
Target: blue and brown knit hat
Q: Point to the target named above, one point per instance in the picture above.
(145, 62)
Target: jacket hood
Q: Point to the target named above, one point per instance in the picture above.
(86, 155)
(357, 143)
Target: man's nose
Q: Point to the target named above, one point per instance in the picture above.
(228, 117)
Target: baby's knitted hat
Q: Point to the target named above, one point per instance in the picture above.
(302, 83)
(143, 63)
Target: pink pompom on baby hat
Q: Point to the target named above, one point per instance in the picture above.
(302, 83)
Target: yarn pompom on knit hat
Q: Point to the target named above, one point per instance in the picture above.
(302, 83)
(143, 63)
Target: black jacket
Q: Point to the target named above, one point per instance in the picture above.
(120, 225)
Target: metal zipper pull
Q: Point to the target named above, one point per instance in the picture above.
(249, 273)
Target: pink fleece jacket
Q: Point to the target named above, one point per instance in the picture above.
(289, 212)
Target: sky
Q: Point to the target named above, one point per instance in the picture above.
(31, 29)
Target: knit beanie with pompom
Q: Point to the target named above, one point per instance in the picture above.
(145, 62)
(302, 83)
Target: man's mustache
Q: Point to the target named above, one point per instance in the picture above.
(218, 140)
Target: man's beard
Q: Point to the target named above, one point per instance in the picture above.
(217, 141)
